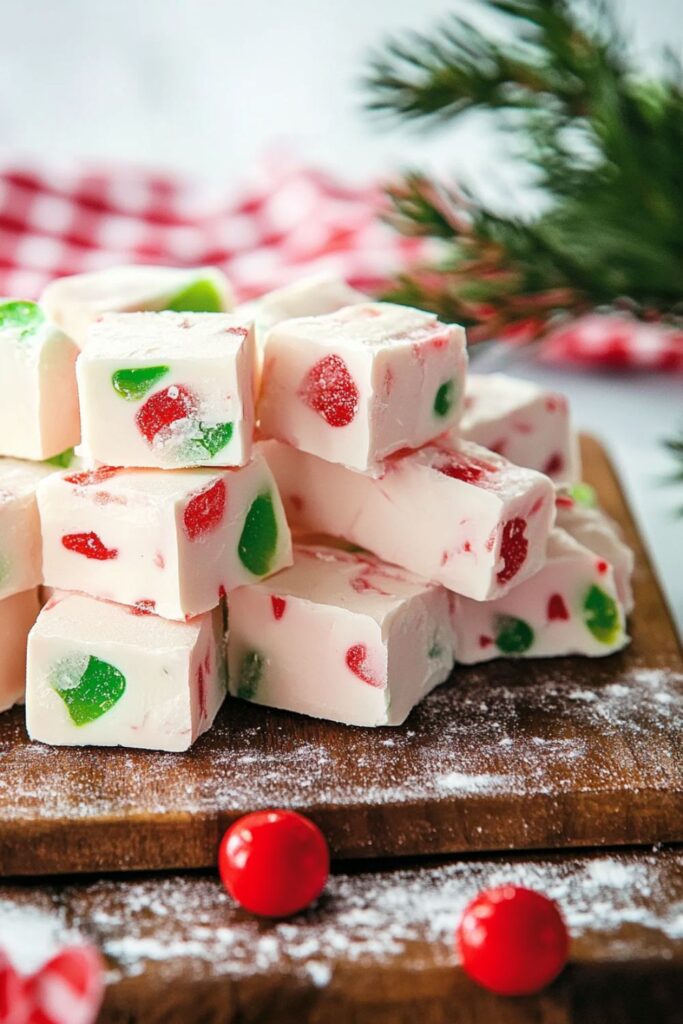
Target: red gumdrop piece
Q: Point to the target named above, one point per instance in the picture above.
(470, 471)
(89, 545)
(512, 940)
(279, 604)
(557, 609)
(201, 691)
(274, 863)
(555, 464)
(204, 512)
(330, 390)
(163, 408)
(602, 567)
(513, 549)
(356, 660)
(91, 476)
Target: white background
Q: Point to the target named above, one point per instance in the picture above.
(206, 86)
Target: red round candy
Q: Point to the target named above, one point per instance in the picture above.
(512, 940)
(274, 863)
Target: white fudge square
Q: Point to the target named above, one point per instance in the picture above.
(357, 385)
(527, 424)
(172, 543)
(102, 674)
(339, 636)
(309, 296)
(595, 530)
(39, 404)
(168, 390)
(74, 302)
(20, 541)
(465, 517)
(17, 615)
(570, 606)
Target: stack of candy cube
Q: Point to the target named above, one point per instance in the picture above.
(435, 514)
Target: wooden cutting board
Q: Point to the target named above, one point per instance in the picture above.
(377, 948)
(509, 755)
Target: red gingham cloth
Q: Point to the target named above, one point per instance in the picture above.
(291, 221)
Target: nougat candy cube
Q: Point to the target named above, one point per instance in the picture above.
(99, 673)
(309, 296)
(463, 517)
(357, 385)
(339, 636)
(17, 615)
(20, 540)
(168, 390)
(527, 424)
(171, 543)
(39, 400)
(594, 529)
(570, 606)
(74, 302)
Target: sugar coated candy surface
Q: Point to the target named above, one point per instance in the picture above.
(20, 540)
(74, 302)
(357, 385)
(463, 517)
(17, 615)
(38, 397)
(570, 606)
(171, 543)
(527, 424)
(595, 530)
(100, 673)
(168, 390)
(339, 636)
(309, 296)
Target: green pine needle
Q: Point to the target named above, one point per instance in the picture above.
(606, 147)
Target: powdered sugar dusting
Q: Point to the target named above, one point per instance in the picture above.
(487, 732)
(617, 906)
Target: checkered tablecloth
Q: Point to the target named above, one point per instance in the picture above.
(292, 220)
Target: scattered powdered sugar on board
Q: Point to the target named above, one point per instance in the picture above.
(491, 731)
(621, 906)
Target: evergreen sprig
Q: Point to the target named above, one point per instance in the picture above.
(606, 146)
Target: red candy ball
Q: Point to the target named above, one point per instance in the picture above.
(512, 940)
(274, 863)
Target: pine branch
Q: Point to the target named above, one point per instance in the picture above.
(606, 148)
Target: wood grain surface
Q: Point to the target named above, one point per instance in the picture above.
(377, 948)
(509, 755)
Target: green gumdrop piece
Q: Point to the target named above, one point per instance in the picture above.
(63, 460)
(215, 438)
(444, 399)
(26, 317)
(436, 650)
(100, 686)
(584, 494)
(251, 671)
(601, 615)
(258, 542)
(135, 383)
(513, 636)
(4, 568)
(201, 296)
